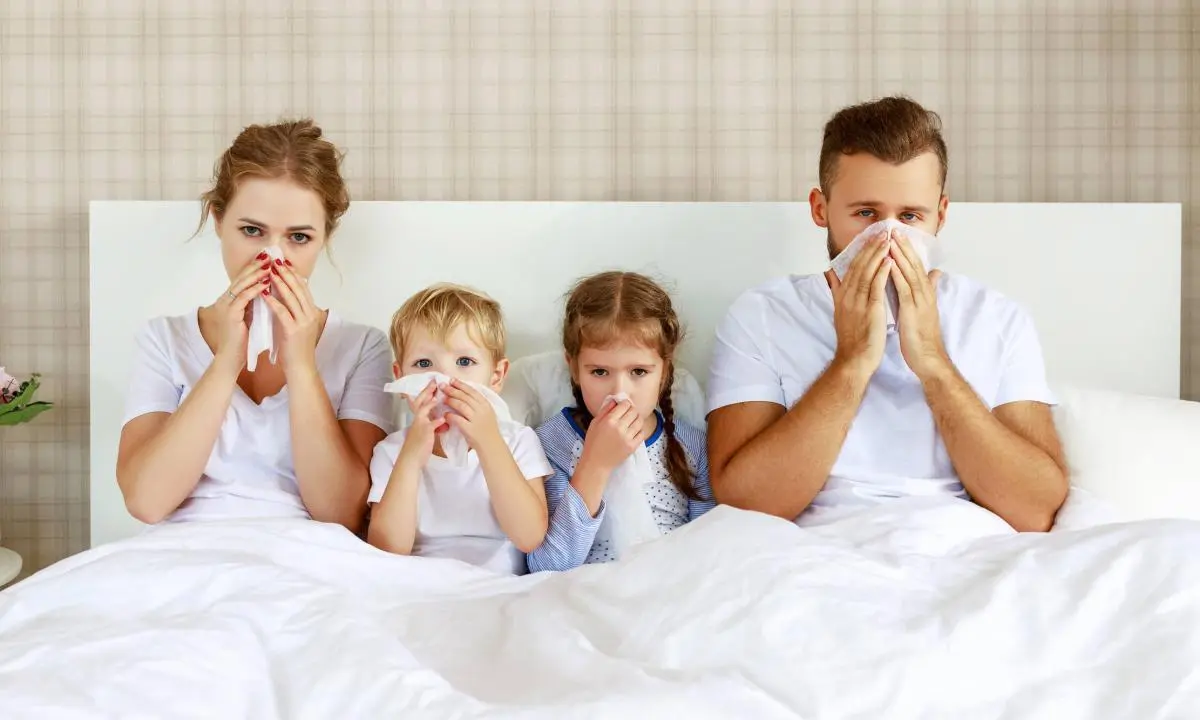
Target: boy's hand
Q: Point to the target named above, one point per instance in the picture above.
(473, 415)
(418, 443)
(612, 437)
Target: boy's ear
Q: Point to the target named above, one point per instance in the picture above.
(499, 375)
(396, 370)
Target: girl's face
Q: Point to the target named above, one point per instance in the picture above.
(272, 211)
(635, 370)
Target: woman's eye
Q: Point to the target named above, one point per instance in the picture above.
(465, 362)
(251, 231)
(422, 363)
(300, 238)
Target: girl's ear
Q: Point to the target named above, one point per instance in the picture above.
(572, 368)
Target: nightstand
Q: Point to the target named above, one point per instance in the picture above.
(10, 566)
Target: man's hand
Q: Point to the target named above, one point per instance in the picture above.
(920, 328)
(858, 307)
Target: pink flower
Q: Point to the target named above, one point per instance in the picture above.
(8, 386)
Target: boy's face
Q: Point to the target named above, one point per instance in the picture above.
(460, 356)
(866, 190)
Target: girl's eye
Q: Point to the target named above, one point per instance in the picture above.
(251, 231)
(465, 362)
(599, 372)
(641, 372)
(423, 363)
(300, 238)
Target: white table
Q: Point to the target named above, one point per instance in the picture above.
(10, 565)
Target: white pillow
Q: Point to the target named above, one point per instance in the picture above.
(540, 385)
(1140, 454)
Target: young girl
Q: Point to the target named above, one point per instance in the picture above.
(620, 334)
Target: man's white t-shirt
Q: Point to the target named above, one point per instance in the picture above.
(250, 471)
(777, 339)
(454, 508)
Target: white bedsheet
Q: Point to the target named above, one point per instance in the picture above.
(922, 610)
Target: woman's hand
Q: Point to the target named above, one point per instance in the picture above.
(299, 318)
(612, 437)
(418, 441)
(231, 314)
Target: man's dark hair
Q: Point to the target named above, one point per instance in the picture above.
(894, 129)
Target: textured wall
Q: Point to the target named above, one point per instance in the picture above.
(525, 100)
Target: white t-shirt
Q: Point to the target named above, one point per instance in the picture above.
(454, 508)
(777, 339)
(250, 471)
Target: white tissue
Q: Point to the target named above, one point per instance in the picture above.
(628, 517)
(453, 443)
(926, 246)
(262, 324)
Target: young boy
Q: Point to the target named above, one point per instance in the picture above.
(463, 480)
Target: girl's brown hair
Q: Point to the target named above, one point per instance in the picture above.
(624, 306)
(294, 150)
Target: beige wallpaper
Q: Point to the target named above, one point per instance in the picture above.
(1095, 100)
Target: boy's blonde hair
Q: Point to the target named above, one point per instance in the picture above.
(443, 307)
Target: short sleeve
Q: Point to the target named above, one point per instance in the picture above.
(152, 385)
(364, 397)
(531, 458)
(383, 460)
(1023, 371)
(741, 369)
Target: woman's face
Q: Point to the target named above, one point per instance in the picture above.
(269, 212)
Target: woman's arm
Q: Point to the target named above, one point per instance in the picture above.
(162, 455)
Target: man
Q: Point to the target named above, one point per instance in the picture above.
(815, 408)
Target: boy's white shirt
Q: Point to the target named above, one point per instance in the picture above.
(454, 508)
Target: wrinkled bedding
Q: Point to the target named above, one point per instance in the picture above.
(915, 609)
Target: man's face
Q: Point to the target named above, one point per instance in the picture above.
(866, 190)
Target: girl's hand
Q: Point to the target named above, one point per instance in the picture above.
(299, 318)
(472, 415)
(418, 442)
(231, 313)
(613, 437)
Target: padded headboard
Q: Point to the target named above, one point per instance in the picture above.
(1102, 281)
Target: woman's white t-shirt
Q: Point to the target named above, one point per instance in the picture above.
(250, 471)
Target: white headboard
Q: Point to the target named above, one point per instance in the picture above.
(1102, 281)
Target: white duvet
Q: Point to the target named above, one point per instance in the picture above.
(914, 610)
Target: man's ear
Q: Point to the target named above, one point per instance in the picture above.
(943, 206)
(500, 374)
(819, 207)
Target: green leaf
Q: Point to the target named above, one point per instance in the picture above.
(24, 414)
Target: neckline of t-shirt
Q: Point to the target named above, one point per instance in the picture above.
(569, 414)
(331, 320)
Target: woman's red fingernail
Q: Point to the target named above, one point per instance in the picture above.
(261, 256)
(278, 261)
(287, 262)
(275, 270)
(266, 266)
(267, 291)
(266, 279)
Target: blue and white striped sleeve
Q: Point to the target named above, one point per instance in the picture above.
(572, 529)
(695, 443)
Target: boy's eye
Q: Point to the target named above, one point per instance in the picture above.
(423, 363)
(465, 362)
(251, 231)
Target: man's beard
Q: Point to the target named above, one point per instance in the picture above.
(829, 246)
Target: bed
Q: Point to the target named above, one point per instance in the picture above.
(919, 609)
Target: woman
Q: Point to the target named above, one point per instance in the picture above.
(206, 438)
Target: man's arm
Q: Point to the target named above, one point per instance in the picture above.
(762, 458)
(1010, 460)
